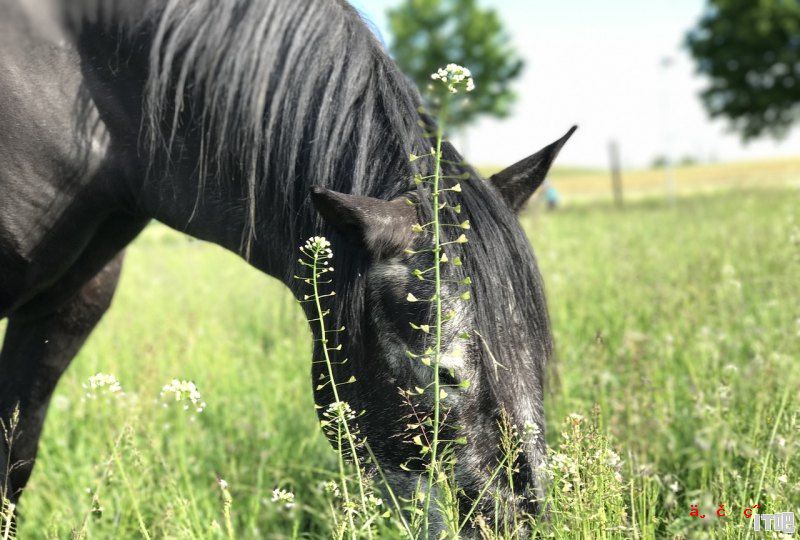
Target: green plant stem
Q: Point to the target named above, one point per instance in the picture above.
(437, 255)
(389, 490)
(482, 493)
(768, 453)
(134, 502)
(340, 410)
(343, 480)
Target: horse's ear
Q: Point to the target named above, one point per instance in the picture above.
(520, 181)
(381, 227)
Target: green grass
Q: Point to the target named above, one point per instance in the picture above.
(678, 338)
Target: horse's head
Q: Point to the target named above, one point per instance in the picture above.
(498, 341)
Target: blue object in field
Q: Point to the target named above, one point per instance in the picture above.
(552, 196)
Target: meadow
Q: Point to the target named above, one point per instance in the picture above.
(678, 338)
(585, 185)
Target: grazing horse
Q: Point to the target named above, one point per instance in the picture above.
(254, 124)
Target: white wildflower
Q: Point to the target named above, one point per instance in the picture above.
(184, 392)
(284, 497)
(317, 246)
(332, 488)
(102, 384)
(783, 479)
(564, 464)
(612, 459)
(340, 409)
(674, 487)
(454, 77)
(730, 368)
(531, 430)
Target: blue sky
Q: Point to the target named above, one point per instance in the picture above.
(598, 64)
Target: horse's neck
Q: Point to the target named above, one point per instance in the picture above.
(219, 214)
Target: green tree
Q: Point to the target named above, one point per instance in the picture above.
(750, 51)
(429, 34)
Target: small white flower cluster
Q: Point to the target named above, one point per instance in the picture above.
(340, 409)
(332, 488)
(454, 76)
(531, 431)
(284, 497)
(567, 469)
(611, 460)
(183, 392)
(102, 384)
(583, 458)
(317, 245)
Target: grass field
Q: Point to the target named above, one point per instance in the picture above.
(678, 337)
(582, 185)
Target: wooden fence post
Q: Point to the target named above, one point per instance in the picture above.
(616, 172)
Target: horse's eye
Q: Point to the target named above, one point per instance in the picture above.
(448, 377)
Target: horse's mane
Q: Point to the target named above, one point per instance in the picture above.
(288, 94)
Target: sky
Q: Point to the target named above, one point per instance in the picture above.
(598, 64)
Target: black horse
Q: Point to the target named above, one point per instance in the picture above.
(253, 124)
